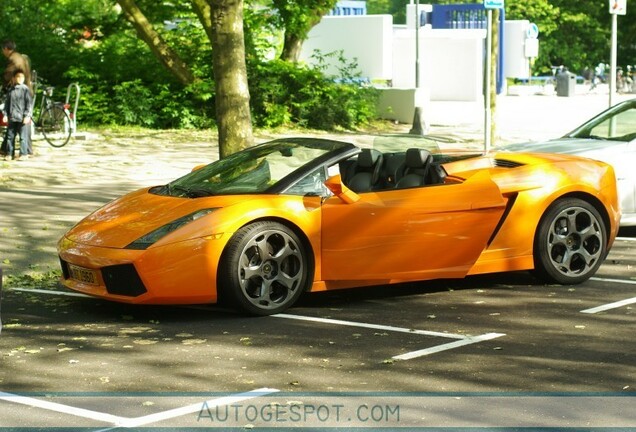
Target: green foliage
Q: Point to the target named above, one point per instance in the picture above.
(297, 17)
(283, 93)
(154, 105)
(91, 43)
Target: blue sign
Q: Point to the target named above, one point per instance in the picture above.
(533, 31)
(494, 4)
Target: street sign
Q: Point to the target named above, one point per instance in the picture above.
(531, 48)
(494, 4)
(532, 32)
(618, 7)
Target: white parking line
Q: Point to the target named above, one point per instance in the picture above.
(128, 422)
(463, 339)
(51, 292)
(610, 306)
(372, 326)
(626, 238)
(613, 305)
(624, 281)
(60, 408)
(448, 346)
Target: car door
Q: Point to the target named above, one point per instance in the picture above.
(410, 234)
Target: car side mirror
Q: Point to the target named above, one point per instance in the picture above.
(335, 185)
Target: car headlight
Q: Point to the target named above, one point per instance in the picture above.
(153, 236)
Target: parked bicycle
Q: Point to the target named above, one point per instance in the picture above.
(55, 120)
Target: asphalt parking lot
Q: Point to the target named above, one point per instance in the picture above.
(503, 333)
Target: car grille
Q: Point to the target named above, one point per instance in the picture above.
(121, 279)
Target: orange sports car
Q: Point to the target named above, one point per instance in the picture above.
(264, 225)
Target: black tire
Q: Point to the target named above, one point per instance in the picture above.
(264, 269)
(55, 124)
(571, 242)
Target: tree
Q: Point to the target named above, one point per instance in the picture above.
(297, 18)
(230, 76)
(223, 23)
(168, 57)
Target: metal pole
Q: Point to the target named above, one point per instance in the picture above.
(419, 123)
(612, 81)
(487, 111)
(417, 44)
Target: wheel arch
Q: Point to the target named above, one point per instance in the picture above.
(563, 272)
(296, 229)
(594, 202)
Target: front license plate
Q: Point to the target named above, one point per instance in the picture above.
(82, 274)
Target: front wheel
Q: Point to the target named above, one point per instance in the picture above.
(264, 269)
(56, 126)
(571, 242)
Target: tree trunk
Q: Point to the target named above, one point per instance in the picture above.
(202, 10)
(493, 76)
(291, 48)
(297, 18)
(168, 58)
(230, 75)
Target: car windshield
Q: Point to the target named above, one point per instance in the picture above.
(253, 170)
(617, 124)
(443, 149)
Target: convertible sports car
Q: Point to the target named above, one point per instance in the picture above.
(264, 225)
(609, 137)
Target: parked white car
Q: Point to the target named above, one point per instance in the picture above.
(609, 137)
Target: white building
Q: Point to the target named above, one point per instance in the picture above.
(350, 7)
(451, 61)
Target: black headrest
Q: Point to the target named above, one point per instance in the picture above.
(417, 158)
(368, 158)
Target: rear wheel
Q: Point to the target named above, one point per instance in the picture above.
(571, 242)
(264, 269)
(56, 126)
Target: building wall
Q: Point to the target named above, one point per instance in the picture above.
(516, 64)
(451, 61)
(349, 7)
(368, 39)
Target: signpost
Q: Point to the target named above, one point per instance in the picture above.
(616, 8)
(419, 123)
(489, 5)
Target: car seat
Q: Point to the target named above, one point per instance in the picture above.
(366, 172)
(417, 166)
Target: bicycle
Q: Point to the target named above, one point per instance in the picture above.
(55, 120)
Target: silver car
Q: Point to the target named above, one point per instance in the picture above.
(609, 137)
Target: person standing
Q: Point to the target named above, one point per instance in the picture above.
(17, 108)
(16, 61)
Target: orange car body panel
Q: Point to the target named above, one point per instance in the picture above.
(466, 226)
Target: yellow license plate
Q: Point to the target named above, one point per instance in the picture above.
(82, 274)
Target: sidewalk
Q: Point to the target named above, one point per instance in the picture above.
(41, 198)
(522, 118)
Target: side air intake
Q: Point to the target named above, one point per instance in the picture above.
(503, 163)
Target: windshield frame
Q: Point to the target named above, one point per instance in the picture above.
(198, 183)
(584, 131)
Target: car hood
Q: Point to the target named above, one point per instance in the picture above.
(575, 146)
(126, 219)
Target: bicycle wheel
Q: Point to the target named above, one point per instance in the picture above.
(56, 126)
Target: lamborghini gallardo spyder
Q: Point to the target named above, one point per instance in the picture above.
(262, 226)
